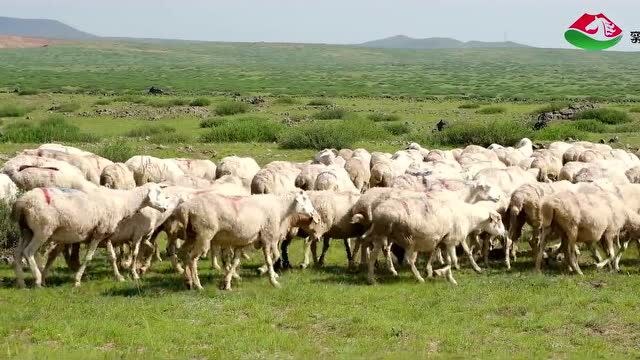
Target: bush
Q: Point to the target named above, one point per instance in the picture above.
(103, 101)
(12, 110)
(469, 106)
(28, 92)
(491, 110)
(397, 128)
(555, 106)
(160, 102)
(635, 109)
(201, 101)
(55, 128)
(9, 230)
(592, 126)
(624, 128)
(330, 114)
(212, 122)
(559, 131)
(505, 132)
(243, 130)
(68, 107)
(330, 134)
(607, 116)
(378, 117)
(170, 138)
(119, 151)
(285, 100)
(231, 108)
(148, 130)
(319, 102)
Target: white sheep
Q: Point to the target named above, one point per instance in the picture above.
(30, 172)
(152, 169)
(8, 190)
(205, 169)
(117, 176)
(243, 167)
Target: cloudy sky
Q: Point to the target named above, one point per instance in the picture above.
(534, 22)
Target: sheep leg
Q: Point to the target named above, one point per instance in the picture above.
(411, 256)
(18, 256)
(472, 261)
(29, 253)
(621, 250)
(307, 251)
(172, 245)
(389, 259)
(325, 248)
(347, 249)
(93, 245)
(486, 248)
(439, 257)
(114, 261)
(214, 253)
(533, 242)
(73, 256)
(371, 279)
(451, 251)
(507, 252)
(230, 270)
(51, 258)
(134, 259)
(430, 264)
(571, 255)
(201, 246)
(543, 242)
(284, 248)
(267, 258)
(314, 251)
(354, 253)
(446, 272)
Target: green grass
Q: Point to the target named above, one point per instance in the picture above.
(482, 133)
(9, 230)
(159, 102)
(634, 109)
(24, 92)
(331, 134)
(397, 128)
(320, 102)
(378, 117)
(555, 106)
(201, 101)
(68, 107)
(330, 114)
(250, 129)
(54, 128)
(560, 131)
(232, 108)
(116, 151)
(105, 101)
(489, 110)
(149, 130)
(13, 110)
(469, 106)
(607, 116)
(285, 100)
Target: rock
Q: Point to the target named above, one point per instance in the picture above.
(442, 124)
(155, 91)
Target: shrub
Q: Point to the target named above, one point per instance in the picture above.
(244, 130)
(491, 110)
(9, 231)
(119, 151)
(555, 106)
(319, 102)
(28, 92)
(213, 122)
(231, 108)
(592, 126)
(148, 130)
(285, 100)
(635, 109)
(624, 128)
(55, 128)
(330, 114)
(170, 138)
(605, 115)
(201, 101)
(378, 117)
(397, 128)
(469, 106)
(330, 134)
(12, 110)
(103, 101)
(485, 133)
(68, 107)
(559, 131)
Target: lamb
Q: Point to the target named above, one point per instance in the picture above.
(8, 190)
(204, 169)
(420, 225)
(583, 217)
(151, 169)
(335, 179)
(238, 222)
(87, 166)
(117, 176)
(30, 172)
(359, 168)
(275, 178)
(71, 216)
(243, 167)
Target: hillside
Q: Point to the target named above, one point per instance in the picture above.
(41, 28)
(406, 42)
(12, 41)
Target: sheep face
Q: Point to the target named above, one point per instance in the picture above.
(304, 206)
(157, 199)
(494, 225)
(481, 191)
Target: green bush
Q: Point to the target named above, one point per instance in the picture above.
(469, 106)
(592, 126)
(68, 107)
(491, 110)
(605, 115)
(559, 131)
(231, 108)
(555, 106)
(244, 130)
(483, 133)
(105, 101)
(170, 138)
(119, 151)
(624, 128)
(319, 102)
(55, 128)
(148, 130)
(27, 92)
(12, 110)
(397, 127)
(9, 230)
(330, 134)
(201, 101)
(635, 109)
(330, 114)
(285, 100)
(213, 122)
(378, 117)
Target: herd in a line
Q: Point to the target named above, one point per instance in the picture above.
(574, 196)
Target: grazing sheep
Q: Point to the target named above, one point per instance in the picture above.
(205, 169)
(72, 216)
(152, 169)
(423, 151)
(117, 176)
(329, 157)
(614, 175)
(335, 179)
(90, 170)
(513, 156)
(100, 162)
(377, 157)
(8, 190)
(30, 172)
(275, 178)
(359, 168)
(215, 219)
(346, 154)
(440, 155)
(243, 167)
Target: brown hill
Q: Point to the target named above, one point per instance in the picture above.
(11, 42)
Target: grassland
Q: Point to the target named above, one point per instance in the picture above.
(97, 89)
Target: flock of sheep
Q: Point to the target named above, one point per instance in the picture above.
(412, 202)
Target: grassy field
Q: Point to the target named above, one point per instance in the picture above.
(92, 96)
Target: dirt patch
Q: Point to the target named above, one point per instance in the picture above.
(149, 113)
(20, 42)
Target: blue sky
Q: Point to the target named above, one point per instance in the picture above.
(534, 22)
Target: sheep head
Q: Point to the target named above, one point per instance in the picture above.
(157, 199)
(304, 206)
(494, 225)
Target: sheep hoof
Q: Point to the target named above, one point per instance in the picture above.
(420, 280)
(304, 266)
(120, 278)
(76, 284)
(275, 284)
(21, 285)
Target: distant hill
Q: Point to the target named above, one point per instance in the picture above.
(41, 28)
(406, 42)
